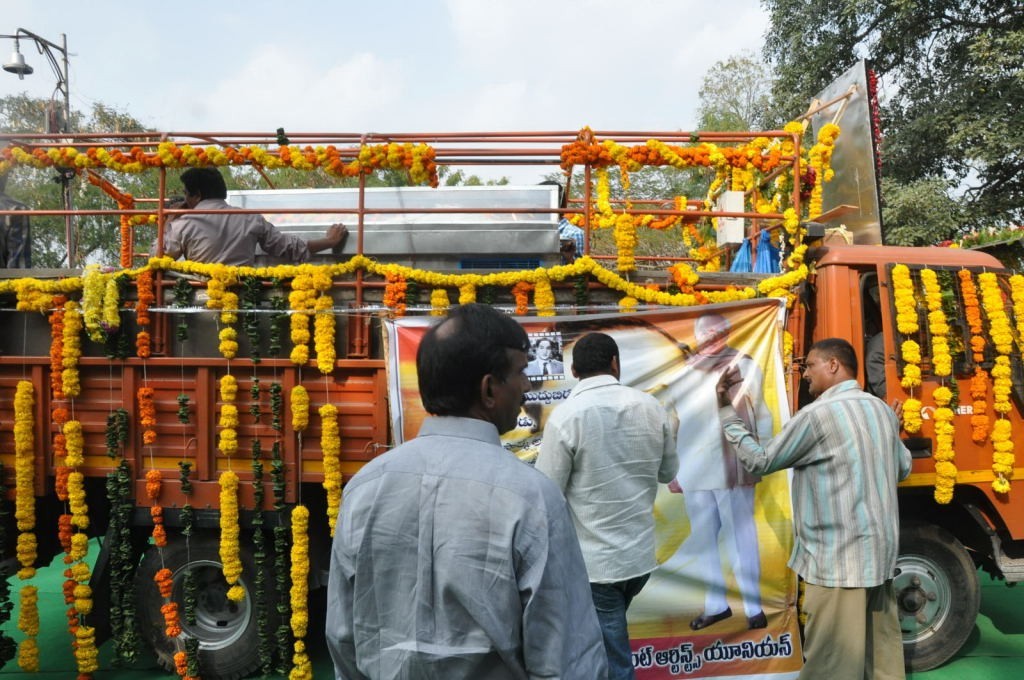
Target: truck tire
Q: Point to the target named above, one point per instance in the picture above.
(937, 593)
(227, 631)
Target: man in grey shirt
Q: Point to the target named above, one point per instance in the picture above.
(451, 558)
(231, 238)
(607, 447)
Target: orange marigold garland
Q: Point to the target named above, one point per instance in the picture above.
(57, 347)
(394, 293)
(147, 415)
(979, 381)
(144, 284)
(521, 293)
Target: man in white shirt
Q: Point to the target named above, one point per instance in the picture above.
(607, 447)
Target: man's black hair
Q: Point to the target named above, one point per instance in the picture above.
(593, 353)
(561, 190)
(204, 182)
(456, 354)
(840, 349)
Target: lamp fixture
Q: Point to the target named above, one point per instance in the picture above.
(17, 63)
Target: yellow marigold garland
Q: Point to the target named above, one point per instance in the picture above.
(228, 436)
(94, 284)
(330, 444)
(1017, 297)
(28, 623)
(302, 300)
(25, 473)
(1001, 337)
(912, 415)
(230, 548)
(323, 334)
(300, 408)
(945, 468)
(439, 302)
(72, 349)
(301, 666)
(938, 328)
(907, 324)
(544, 297)
(906, 304)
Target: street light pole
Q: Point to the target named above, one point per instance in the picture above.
(18, 66)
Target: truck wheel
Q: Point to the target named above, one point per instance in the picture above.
(937, 593)
(227, 631)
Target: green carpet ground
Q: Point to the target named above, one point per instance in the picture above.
(995, 648)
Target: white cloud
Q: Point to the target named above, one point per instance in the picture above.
(280, 87)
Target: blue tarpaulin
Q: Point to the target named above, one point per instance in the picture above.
(767, 261)
(742, 263)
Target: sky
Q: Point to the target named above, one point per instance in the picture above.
(386, 65)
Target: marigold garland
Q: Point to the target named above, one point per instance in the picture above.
(938, 328)
(72, 342)
(146, 297)
(907, 324)
(24, 472)
(323, 334)
(147, 414)
(299, 399)
(57, 347)
(945, 468)
(439, 302)
(228, 435)
(330, 444)
(979, 381)
(302, 300)
(912, 415)
(544, 298)
(301, 667)
(230, 548)
(1002, 380)
(28, 623)
(394, 293)
(521, 293)
(418, 160)
(1017, 297)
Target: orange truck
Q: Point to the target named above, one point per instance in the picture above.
(163, 405)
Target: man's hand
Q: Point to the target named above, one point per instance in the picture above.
(730, 378)
(897, 407)
(336, 234)
(674, 487)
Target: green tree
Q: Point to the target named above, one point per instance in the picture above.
(952, 75)
(736, 95)
(97, 237)
(920, 213)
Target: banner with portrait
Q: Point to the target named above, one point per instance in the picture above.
(722, 602)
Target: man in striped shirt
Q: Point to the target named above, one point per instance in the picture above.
(847, 456)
